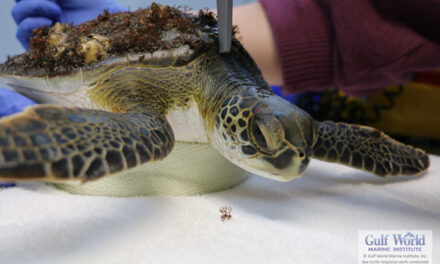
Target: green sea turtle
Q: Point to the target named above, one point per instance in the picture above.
(119, 90)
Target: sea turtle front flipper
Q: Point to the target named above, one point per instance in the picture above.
(52, 143)
(368, 149)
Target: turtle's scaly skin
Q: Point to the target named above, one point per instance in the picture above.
(53, 142)
(368, 149)
(130, 101)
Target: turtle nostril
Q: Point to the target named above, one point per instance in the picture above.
(305, 152)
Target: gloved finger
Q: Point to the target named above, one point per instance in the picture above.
(12, 102)
(36, 8)
(25, 28)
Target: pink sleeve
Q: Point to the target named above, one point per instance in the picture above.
(356, 46)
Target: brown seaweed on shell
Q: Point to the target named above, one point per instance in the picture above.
(65, 47)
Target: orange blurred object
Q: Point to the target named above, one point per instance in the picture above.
(416, 111)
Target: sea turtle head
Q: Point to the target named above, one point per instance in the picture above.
(267, 136)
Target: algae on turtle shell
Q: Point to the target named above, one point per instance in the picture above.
(66, 47)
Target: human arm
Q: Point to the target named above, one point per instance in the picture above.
(357, 47)
(256, 36)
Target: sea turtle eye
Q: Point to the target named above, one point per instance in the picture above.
(266, 133)
(258, 136)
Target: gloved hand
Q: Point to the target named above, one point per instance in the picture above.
(11, 103)
(31, 14)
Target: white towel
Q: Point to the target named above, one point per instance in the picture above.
(314, 219)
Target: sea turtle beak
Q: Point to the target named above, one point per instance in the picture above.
(297, 165)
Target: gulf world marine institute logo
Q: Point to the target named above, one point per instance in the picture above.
(409, 241)
(395, 246)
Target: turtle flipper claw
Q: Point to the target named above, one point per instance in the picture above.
(51, 143)
(368, 149)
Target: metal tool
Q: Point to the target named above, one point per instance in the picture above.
(224, 24)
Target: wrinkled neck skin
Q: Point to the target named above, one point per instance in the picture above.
(227, 75)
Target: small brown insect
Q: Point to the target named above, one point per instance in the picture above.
(226, 212)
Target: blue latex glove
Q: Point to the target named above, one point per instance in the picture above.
(11, 103)
(289, 97)
(31, 14)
